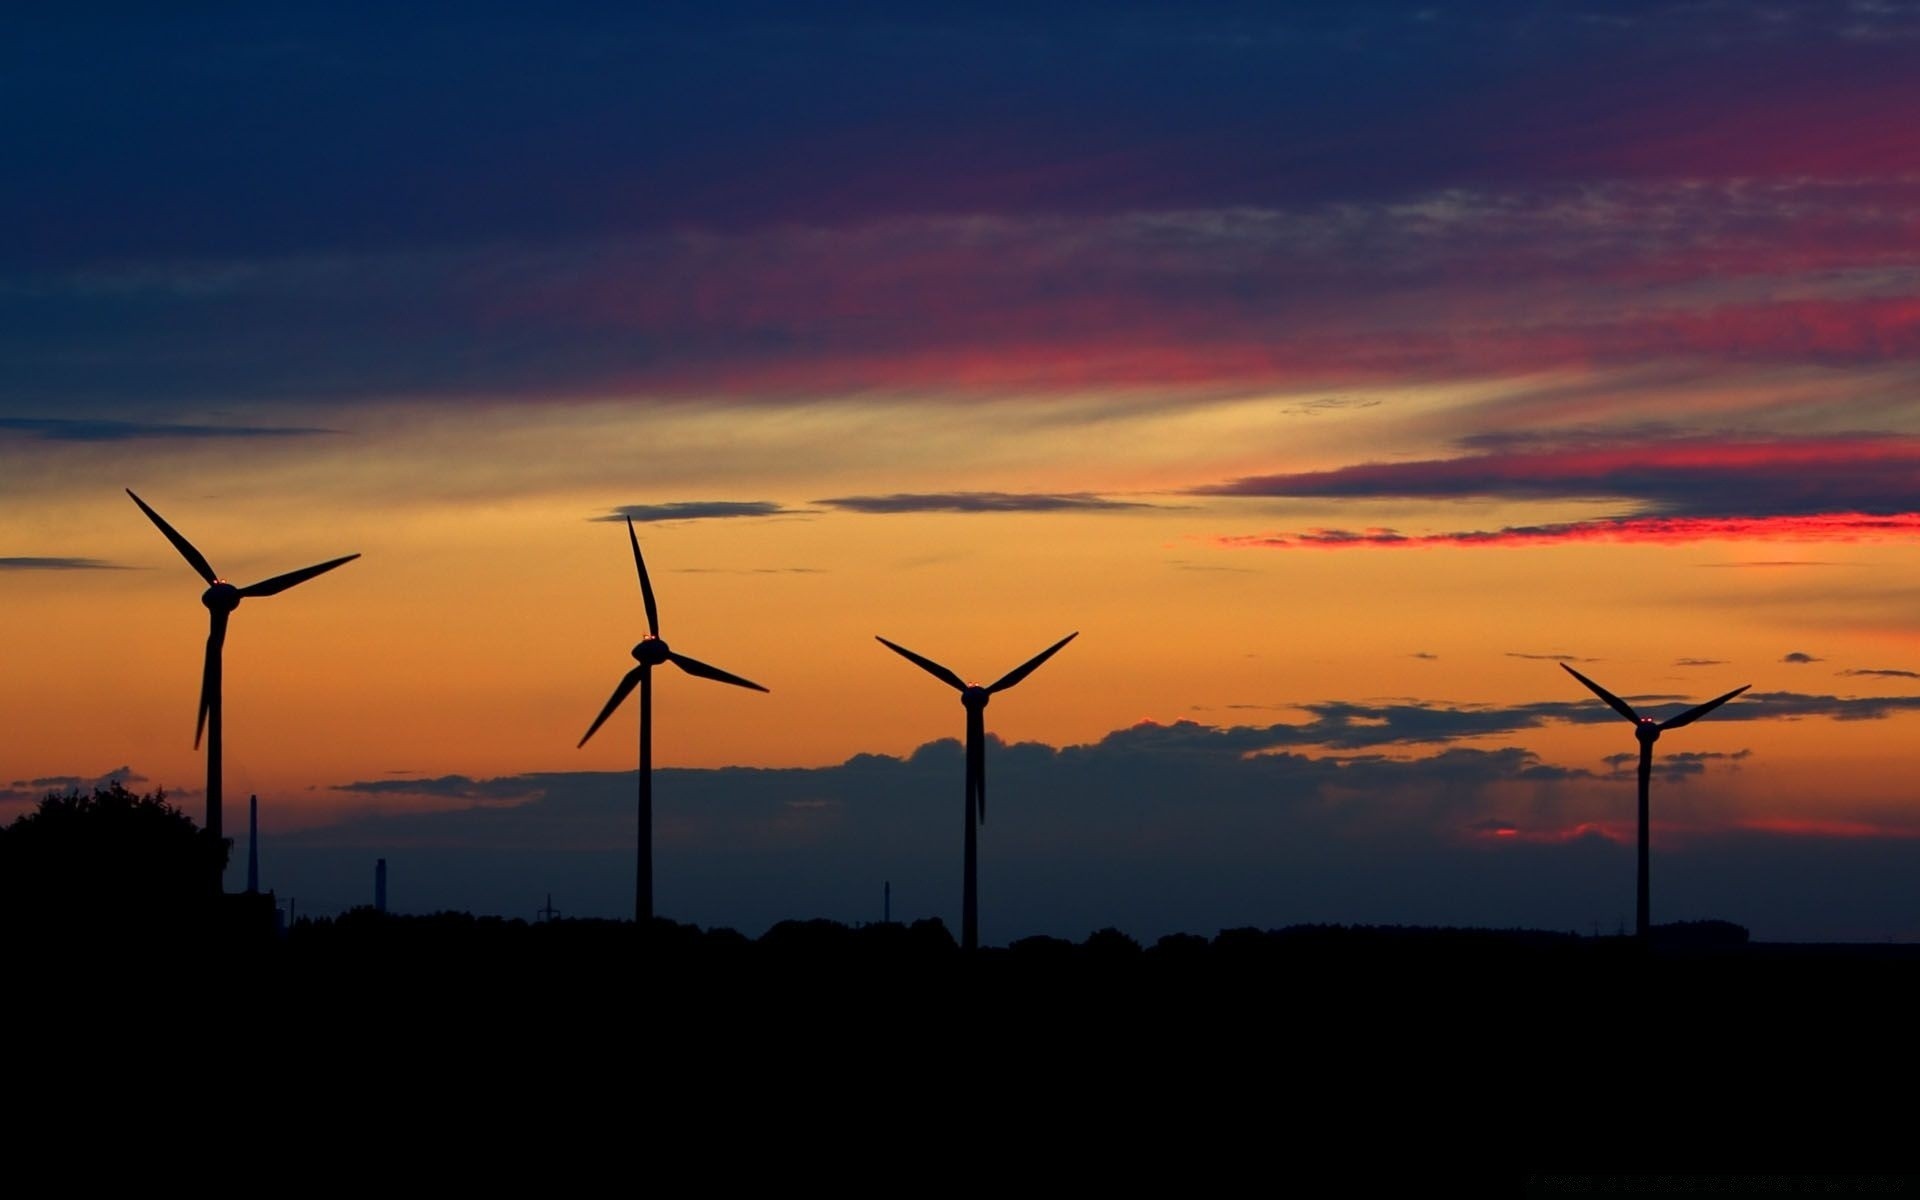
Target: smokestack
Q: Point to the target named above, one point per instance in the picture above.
(380, 886)
(253, 845)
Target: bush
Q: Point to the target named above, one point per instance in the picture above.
(110, 859)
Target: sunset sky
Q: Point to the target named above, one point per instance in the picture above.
(1336, 371)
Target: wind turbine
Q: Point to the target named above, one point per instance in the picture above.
(974, 698)
(650, 652)
(1648, 731)
(221, 598)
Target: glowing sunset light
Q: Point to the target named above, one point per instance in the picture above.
(969, 329)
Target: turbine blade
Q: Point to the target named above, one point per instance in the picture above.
(925, 664)
(280, 583)
(626, 685)
(1027, 668)
(195, 559)
(694, 666)
(646, 585)
(1700, 710)
(1614, 702)
(210, 671)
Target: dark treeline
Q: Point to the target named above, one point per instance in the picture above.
(1384, 1052)
(1400, 1050)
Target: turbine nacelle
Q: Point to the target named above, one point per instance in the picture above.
(221, 597)
(1647, 730)
(974, 696)
(651, 651)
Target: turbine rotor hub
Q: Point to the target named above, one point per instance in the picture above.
(651, 651)
(975, 696)
(1647, 730)
(221, 597)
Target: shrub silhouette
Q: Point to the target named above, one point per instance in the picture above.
(108, 860)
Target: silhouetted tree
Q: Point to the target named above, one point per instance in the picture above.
(1110, 943)
(109, 860)
(930, 936)
(1180, 947)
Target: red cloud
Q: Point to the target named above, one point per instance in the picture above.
(1843, 488)
(1827, 527)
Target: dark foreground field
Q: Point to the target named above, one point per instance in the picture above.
(885, 1057)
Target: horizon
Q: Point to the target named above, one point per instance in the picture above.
(1338, 375)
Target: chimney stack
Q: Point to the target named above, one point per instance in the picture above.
(380, 885)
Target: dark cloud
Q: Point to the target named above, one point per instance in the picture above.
(1766, 706)
(1675, 767)
(26, 563)
(743, 846)
(1342, 725)
(1798, 656)
(456, 787)
(1844, 527)
(1155, 828)
(699, 510)
(1700, 477)
(1883, 672)
(1037, 200)
(53, 429)
(1565, 658)
(31, 791)
(1844, 486)
(1699, 662)
(1422, 654)
(979, 502)
(1094, 109)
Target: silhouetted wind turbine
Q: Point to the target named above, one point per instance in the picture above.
(1648, 731)
(221, 598)
(974, 698)
(650, 652)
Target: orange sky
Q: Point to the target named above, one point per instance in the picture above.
(1318, 366)
(489, 616)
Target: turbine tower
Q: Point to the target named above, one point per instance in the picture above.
(221, 598)
(974, 698)
(1648, 732)
(650, 652)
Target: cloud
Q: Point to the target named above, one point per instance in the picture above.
(1345, 725)
(750, 571)
(1101, 222)
(699, 510)
(455, 787)
(1883, 673)
(1839, 527)
(62, 429)
(26, 563)
(1214, 297)
(1699, 662)
(1344, 816)
(980, 502)
(1848, 487)
(1798, 656)
(1677, 766)
(32, 791)
(1564, 658)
